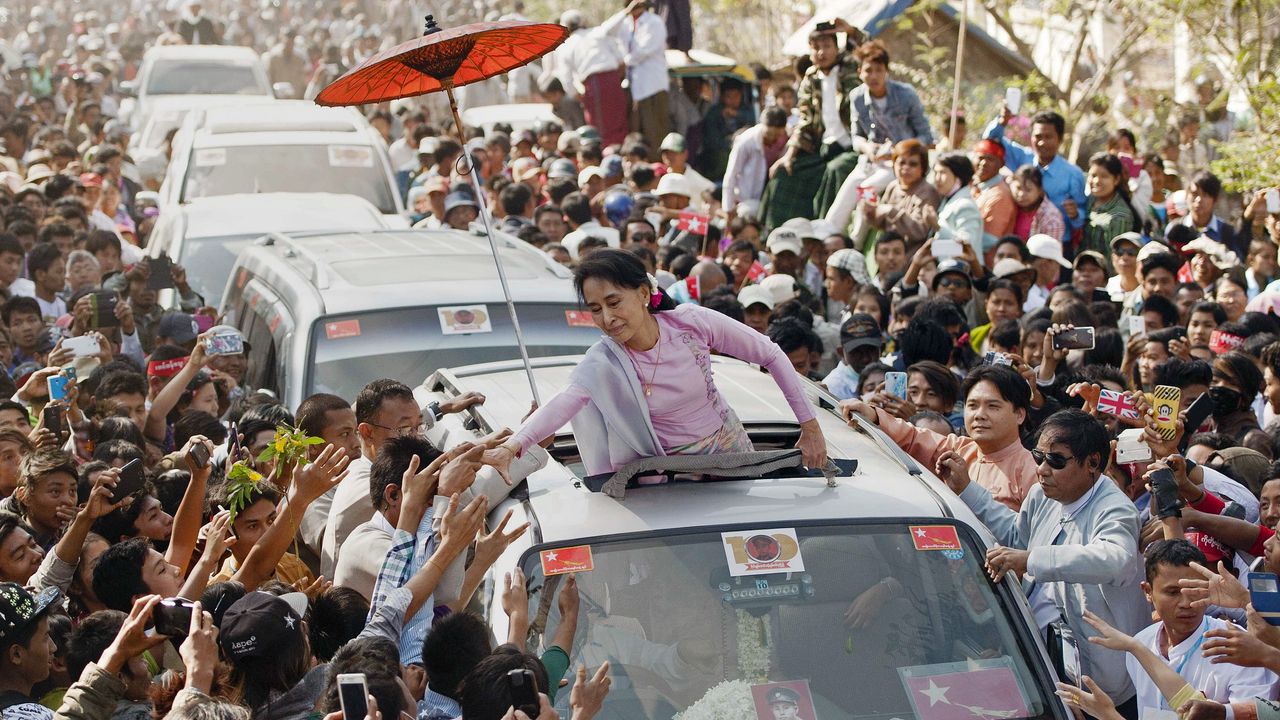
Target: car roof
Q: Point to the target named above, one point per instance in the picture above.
(261, 213)
(883, 485)
(410, 268)
(281, 116)
(232, 53)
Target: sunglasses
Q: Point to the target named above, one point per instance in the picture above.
(1056, 461)
(953, 282)
(1125, 252)
(644, 237)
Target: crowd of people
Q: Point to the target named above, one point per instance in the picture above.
(1039, 311)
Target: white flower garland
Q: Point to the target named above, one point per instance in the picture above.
(754, 643)
(731, 699)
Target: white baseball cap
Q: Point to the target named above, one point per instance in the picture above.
(1047, 247)
(756, 294)
(783, 239)
(781, 287)
(674, 184)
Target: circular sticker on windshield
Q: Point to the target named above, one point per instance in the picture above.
(763, 548)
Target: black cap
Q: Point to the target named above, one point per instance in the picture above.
(19, 609)
(952, 265)
(260, 624)
(859, 330)
(784, 695)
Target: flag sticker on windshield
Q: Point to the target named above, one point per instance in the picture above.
(762, 552)
(561, 561)
(342, 329)
(579, 318)
(935, 537)
(350, 156)
(462, 320)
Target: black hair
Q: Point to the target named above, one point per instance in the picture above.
(21, 304)
(269, 411)
(1211, 307)
(924, 339)
(91, 638)
(1011, 386)
(577, 207)
(118, 524)
(1240, 369)
(169, 488)
(53, 230)
(1163, 306)
(311, 413)
(220, 596)
(379, 661)
(1208, 183)
(1049, 117)
(393, 460)
(120, 382)
(1111, 163)
(373, 395)
(959, 164)
(792, 334)
(940, 310)
(940, 379)
(792, 309)
(117, 578)
(1029, 173)
(1255, 344)
(337, 617)
(1073, 313)
(774, 116)
(1258, 322)
(1156, 261)
(41, 257)
(1008, 285)
(724, 301)
(1181, 373)
(882, 301)
(1108, 348)
(1083, 434)
(515, 198)
(198, 422)
(485, 692)
(1215, 440)
(1173, 553)
(117, 450)
(1271, 358)
(453, 647)
(620, 268)
(1100, 373)
(117, 428)
(1006, 333)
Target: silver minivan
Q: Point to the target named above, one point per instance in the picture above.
(329, 312)
(859, 596)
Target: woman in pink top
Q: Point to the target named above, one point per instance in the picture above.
(646, 389)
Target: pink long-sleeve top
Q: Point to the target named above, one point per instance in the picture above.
(684, 405)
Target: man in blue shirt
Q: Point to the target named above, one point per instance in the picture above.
(1063, 181)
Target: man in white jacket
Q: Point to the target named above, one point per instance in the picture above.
(754, 151)
(1074, 543)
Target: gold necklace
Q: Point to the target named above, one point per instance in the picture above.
(648, 387)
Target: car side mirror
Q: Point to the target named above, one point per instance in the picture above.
(284, 91)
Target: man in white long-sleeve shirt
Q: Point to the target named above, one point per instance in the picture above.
(754, 151)
(644, 45)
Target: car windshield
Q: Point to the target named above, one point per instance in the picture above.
(208, 261)
(344, 169)
(706, 625)
(204, 78)
(351, 350)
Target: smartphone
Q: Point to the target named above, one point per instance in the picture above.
(131, 481)
(353, 695)
(1131, 448)
(1137, 325)
(82, 345)
(895, 383)
(173, 616)
(234, 438)
(160, 275)
(1080, 338)
(1273, 202)
(201, 455)
(58, 386)
(1013, 99)
(524, 691)
(1165, 402)
(1197, 413)
(1164, 494)
(68, 372)
(944, 249)
(996, 358)
(103, 303)
(53, 417)
(224, 344)
(1264, 593)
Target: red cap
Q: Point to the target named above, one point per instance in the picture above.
(989, 147)
(90, 179)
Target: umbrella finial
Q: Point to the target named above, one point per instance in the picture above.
(432, 27)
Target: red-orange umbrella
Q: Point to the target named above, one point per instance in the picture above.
(444, 60)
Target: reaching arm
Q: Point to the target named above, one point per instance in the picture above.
(186, 522)
(457, 532)
(167, 399)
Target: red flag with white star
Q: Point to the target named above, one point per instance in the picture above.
(966, 694)
(935, 537)
(691, 221)
(567, 560)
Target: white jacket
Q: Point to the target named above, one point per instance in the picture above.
(747, 171)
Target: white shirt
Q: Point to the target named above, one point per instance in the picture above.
(644, 47)
(701, 187)
(1036, 298)
(51, 311)
(586, 230)
(833, 129)
(559, 64)
(1115, 288)
(351, 506)
(403, 155)
(747, 171)
(596, 52)
(1221, 683)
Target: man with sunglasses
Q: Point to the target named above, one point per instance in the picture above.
(996, 402)
(1074, 543)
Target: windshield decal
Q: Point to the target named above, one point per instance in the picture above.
(342, 329)
(561, 561)
(762, 552)
(965, 690)
(935, 537)
(789, 700)
(462, 320)
(350, 156)
(579, 318)
(209, 157)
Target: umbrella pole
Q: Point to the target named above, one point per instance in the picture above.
(493, 244)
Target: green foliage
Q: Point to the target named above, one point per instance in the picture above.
(288, 448)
